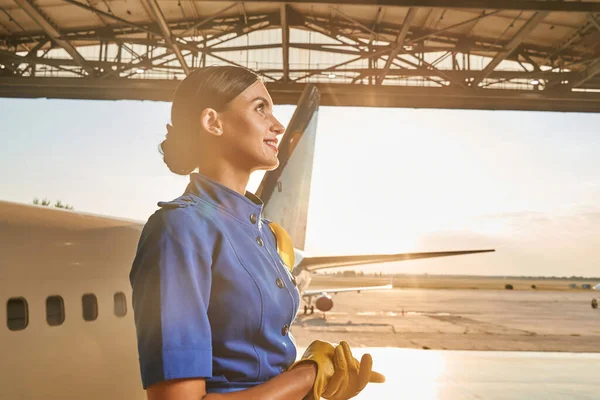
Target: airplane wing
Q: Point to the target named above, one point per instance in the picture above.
(315, 292)
(315, 263)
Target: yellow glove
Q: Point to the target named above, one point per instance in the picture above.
(320, 353)
(350, 376)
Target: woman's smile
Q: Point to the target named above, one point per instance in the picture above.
(272, 144)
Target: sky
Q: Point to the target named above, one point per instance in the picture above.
(385, 180)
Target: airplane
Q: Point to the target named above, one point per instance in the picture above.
(286, 192)
(594, 300)
(305, 266)
(64, 281)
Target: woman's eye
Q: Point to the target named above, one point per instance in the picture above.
(261, 107)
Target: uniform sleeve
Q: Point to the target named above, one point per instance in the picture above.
(171, 281)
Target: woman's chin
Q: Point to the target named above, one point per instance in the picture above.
(271, 164)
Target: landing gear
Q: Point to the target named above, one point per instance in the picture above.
(311, 308)
(594, 303)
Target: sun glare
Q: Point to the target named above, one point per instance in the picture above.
(410, 373)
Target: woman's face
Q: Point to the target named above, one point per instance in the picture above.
(250, 129)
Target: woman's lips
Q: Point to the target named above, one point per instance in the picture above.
(272, 144)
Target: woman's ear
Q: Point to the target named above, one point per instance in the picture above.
(209, 118)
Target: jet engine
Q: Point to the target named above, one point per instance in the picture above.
(324, 303)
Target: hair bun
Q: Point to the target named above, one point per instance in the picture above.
(178, 153)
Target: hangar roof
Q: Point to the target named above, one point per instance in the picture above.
(518, 54)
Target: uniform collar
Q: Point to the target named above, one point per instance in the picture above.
(247, 208)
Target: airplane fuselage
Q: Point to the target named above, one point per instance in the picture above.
(49, 350)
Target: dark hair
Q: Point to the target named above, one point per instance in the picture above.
(209, 87)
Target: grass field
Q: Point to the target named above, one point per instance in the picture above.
(449, 282)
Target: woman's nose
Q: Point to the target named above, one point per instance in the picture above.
(277, 128)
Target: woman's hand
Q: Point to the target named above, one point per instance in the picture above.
(321, 354)
(340, 376)
(350, 376)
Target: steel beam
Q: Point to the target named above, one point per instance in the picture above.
(371, 55)
(207, 20)
(331, 94)
(242, 66)
(530, 61)
(11, 33)
(399, 43)
(415, 71)
(449, 28)
(594, 21)
(587, 74)
(440, 73)
(334, 67)
(457, 74)
(112, 17)
(577, 35)
(445, 97)
(36, 15)
(476, 44)
(166, 32)
(521, 5)
(223, 27)
(512, 45)
(378, 18)
(353, 21)
(285, 43)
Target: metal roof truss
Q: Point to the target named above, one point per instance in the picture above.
(529, 54)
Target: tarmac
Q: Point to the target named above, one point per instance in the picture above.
(499, 320)
(475, 375)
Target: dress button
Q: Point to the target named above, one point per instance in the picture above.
(253, 218)
(279, 283)
(259, 241)
(285, 330)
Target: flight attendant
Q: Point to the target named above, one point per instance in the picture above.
(213, 297)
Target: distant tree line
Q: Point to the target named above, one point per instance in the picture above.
(48, 203)
(352, 274)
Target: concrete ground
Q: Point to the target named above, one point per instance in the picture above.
(458, 320)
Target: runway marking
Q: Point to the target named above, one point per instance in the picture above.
(395, 314)
(475, 326)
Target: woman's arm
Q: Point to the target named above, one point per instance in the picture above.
(290, 385)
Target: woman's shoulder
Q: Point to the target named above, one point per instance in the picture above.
(182, 202)
(185, 213)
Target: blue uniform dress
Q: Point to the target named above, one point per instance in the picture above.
(212, 298)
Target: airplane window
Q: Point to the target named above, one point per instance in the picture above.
(55, 310)
(17, 316)
(120, 304)
(90, 307)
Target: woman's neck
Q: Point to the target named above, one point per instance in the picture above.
(226, 174)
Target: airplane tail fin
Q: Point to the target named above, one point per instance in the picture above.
(285, 191)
